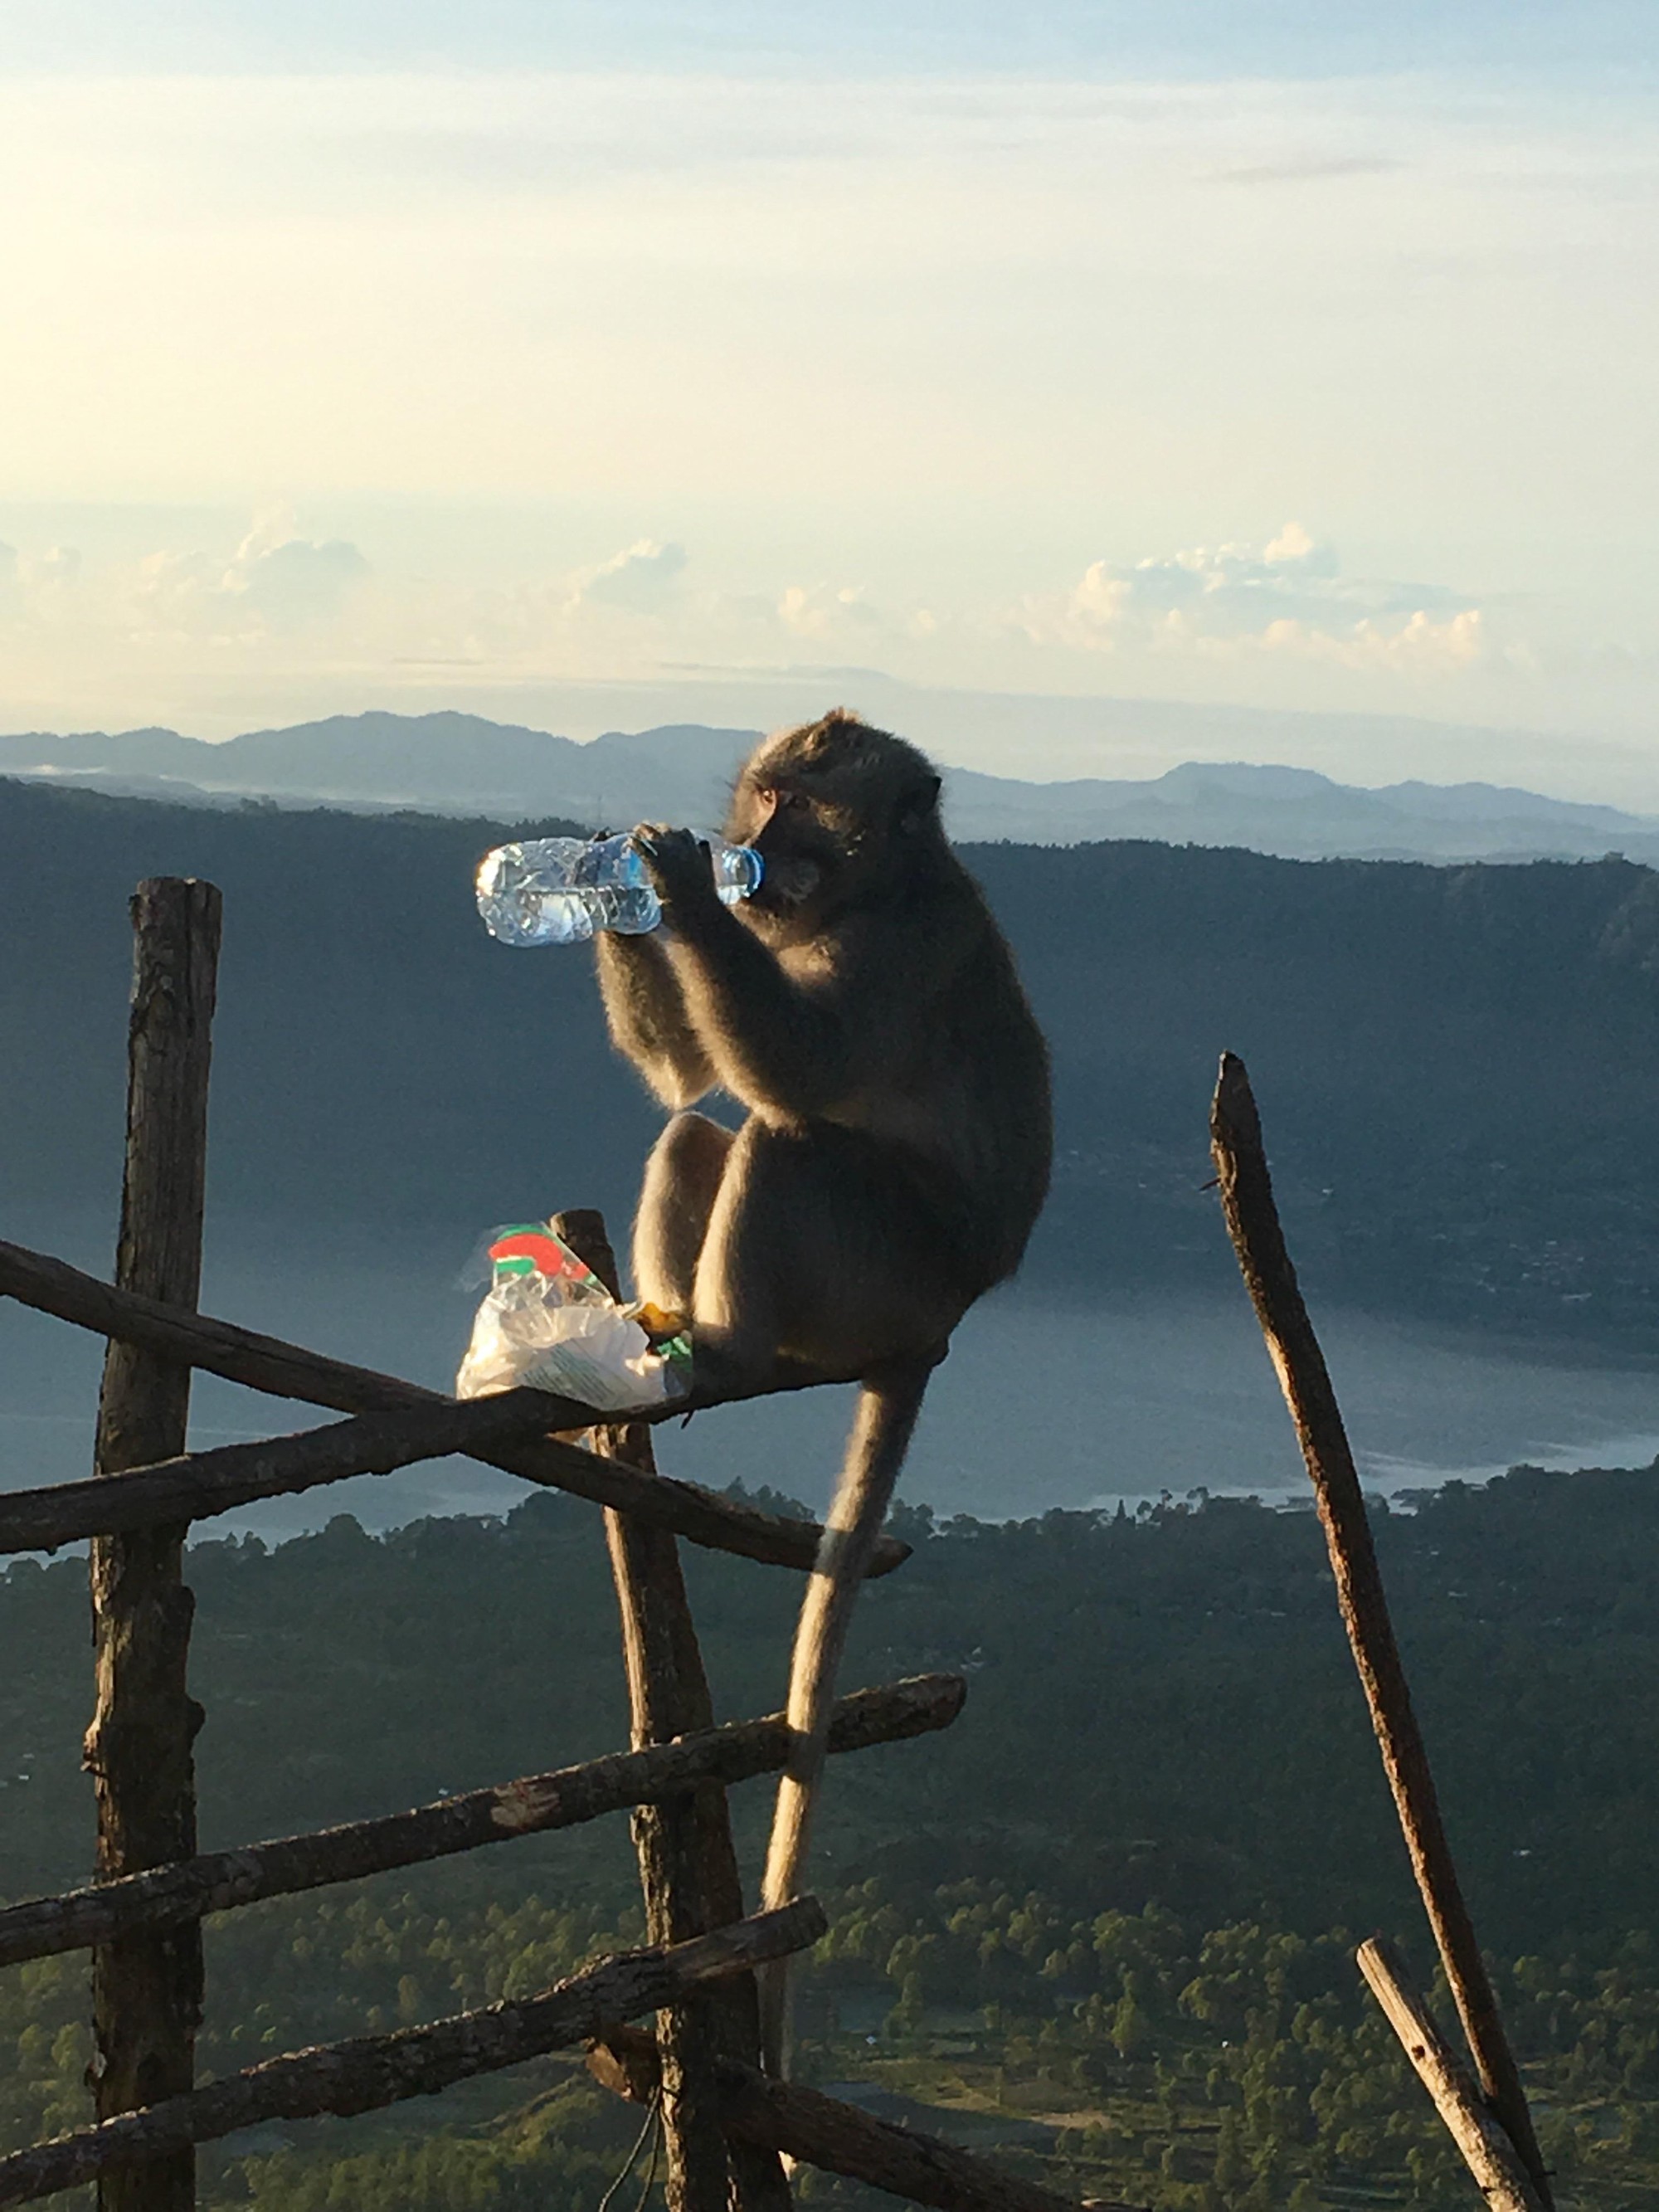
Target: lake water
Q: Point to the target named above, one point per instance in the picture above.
(1039, 1405)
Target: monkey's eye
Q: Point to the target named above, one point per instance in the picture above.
(784, 802)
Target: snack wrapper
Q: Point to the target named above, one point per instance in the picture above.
(548, 1323)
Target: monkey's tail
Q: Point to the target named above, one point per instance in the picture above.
(889, 1403)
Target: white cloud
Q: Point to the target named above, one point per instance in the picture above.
(821, 611)
(284, 581)
(37, 584)
(642, 578)
(57, 569)
(274, 580)
(1286, 597)
(1419, 646)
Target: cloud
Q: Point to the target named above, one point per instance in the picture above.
(285, 581)
(820, 610)
(275, 580)
(1288, 597)
(37, 583)
(1419, 646)
(642, 578)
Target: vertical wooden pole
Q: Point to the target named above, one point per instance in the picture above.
(688, 1867)
(147, 1988)
(1258, 1241)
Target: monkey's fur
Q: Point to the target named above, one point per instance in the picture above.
(863, 1006)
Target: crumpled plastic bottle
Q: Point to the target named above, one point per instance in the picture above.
(559, 890)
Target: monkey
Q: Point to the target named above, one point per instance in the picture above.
(863, 1007)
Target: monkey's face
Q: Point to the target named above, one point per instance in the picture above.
(805, 845)
(834, 810)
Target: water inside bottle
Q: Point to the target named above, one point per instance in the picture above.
(558, 890)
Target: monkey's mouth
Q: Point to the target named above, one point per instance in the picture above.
(790, 880)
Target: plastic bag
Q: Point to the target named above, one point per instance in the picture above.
(548, 1323)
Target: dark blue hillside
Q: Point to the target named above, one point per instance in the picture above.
(1459, 1067)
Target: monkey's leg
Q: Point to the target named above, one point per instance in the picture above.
(819, 1249)
(682, 1180)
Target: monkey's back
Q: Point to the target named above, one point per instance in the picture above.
(962, 1087)
(995, 1096)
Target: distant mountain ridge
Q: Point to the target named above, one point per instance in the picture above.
(455, 764)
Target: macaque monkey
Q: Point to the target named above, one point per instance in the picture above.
(864, 1009)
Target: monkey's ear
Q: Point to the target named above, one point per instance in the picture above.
(918, 805)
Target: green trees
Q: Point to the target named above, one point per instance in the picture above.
(1105, 1922)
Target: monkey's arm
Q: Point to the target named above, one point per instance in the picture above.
(800, 1048)
(646, 1012)
(770, 1042)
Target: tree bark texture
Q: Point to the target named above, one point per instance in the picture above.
(146, 1986)
(1258, 1240)
(288, 1371)
(688, 1867)
(1470, 2121)
(219, 1881)
(371, 2071)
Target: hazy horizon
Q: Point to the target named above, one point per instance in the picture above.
(1015, 379)
(1035, 740)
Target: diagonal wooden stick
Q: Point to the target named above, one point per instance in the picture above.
(823, 2131)
(288, 1371)
(1470, 2121)
(1258, 1240)
(369, 2072)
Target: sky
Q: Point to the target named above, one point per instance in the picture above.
(996, 369)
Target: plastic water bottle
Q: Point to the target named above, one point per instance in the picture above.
(558, 890)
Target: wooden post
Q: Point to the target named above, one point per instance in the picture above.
(1258, 1240)
(688, 1867)
(1470, 2121)
(146, 1986)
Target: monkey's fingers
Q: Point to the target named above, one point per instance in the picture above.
(678, 863)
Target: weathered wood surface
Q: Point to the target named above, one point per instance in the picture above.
(1258, 1240)
(195, 1486)
(1471, 2123)
(371, 2071)
(146, 1986)
(219, 1881)
(281, 1369)
(688, 1868)
(818, 2130)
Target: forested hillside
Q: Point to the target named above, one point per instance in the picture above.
(1104, 1924)
(1458, 1068)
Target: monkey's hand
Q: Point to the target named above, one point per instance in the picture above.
(682, 875)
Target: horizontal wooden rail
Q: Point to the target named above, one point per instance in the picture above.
(371, 2071)
(198, 1484)
(1470, 2121)
(288, 1371)
(218, 1881)
(823, 2131)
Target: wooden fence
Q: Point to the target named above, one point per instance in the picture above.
(728, 2131)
